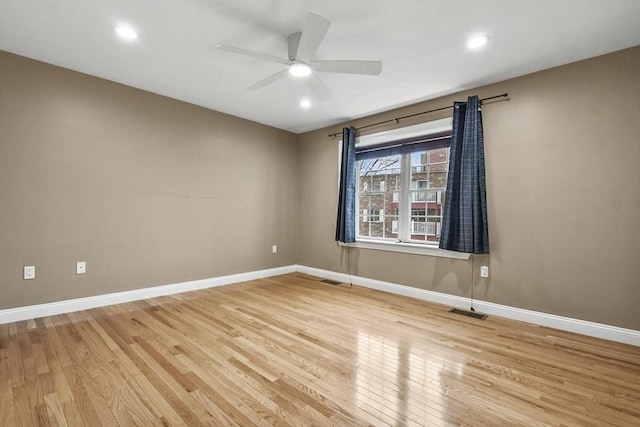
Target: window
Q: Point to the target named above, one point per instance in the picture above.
(374, 215)
(401, 185)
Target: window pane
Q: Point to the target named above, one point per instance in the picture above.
(428, 181)
(378, 183)
(391, 226)
(371, 167)
(380, 193)
(439, 155)
(376, 227)
(363, 227)
(418, 214)
(393, 179)
(379, 179)
(437, 179)
(365, 184)
(363, 201)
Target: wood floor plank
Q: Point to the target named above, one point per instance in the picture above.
(7, 412)
(93, 409)
(154, 403)
(39, 415)
(293, 351)
(172, 390)
(71, 414)
(235, 404)
(55, 411)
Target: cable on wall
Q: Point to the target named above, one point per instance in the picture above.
(349, 266)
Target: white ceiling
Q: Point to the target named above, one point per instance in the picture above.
(421, 43)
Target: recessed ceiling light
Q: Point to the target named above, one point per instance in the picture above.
(125, 32)
(476, 42)
(300, 70)
(305, 103)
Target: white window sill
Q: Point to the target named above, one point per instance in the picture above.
(407, 248)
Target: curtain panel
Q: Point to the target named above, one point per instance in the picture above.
(464, 221)
(346, 223)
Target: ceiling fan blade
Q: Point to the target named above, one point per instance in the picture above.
(317, 87)
(312, 34)
(253, 54)
(268, 80)
(372, 68)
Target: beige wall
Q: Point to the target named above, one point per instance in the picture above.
(147, 190)
(151, 191)
(563, 177)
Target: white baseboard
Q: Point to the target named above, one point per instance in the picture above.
(68, 306)
(613, 333)
(598, 330)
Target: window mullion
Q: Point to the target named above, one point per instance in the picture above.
(404, 222)
(357, 195)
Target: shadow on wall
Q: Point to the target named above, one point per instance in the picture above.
(451, 276)
(444, 275)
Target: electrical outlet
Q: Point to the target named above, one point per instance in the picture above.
(484, 271)
(29, 272)
(81, 267)
(274, 249)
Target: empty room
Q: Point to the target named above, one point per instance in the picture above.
(320, 213)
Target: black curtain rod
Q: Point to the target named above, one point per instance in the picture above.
(331, 135)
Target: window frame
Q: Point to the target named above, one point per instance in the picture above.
(391, 244)
(417, 191)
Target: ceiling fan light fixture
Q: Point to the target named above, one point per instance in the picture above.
(478, 41)
(126, 32)
(299, 70)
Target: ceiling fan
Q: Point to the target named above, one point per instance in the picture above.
(302, 47)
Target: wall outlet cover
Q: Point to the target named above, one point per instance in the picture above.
(484, 271)
(29, 272)
(81, 267)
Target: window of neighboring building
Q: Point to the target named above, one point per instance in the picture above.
(401, 185)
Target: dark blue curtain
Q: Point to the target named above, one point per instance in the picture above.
(346, 224)
(464, 221)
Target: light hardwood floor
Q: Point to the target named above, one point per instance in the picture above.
(292, 350)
